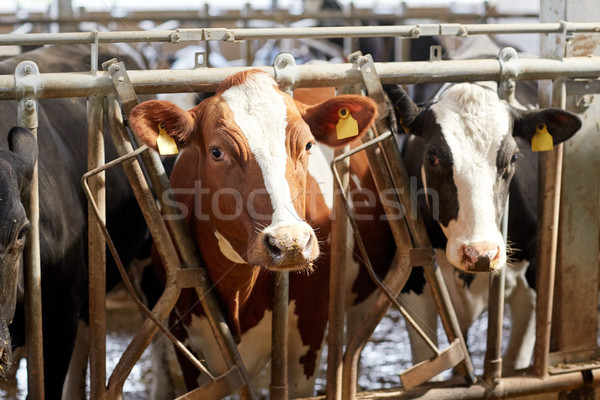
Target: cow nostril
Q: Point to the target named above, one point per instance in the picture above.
(271, 245)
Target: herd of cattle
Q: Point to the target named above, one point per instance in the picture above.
(252, 188)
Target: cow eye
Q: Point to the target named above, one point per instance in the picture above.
(22, 233)
(514, 158)
(432, 159)
(217, 153)
(309, 146)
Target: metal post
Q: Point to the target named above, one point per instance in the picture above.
(97, 251)
(492, 369)
(279, 337)
(28, 89)
(337, 277)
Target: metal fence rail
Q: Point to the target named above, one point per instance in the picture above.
(88, 84)
(57, 85)
(226, 34)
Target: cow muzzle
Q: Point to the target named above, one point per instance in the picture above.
(5, 353)
(290, 247)
(480, 257)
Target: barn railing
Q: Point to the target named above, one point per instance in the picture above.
(101, 84)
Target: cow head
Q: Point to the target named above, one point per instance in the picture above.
(469, 160)
(16, 167)
(253, 142)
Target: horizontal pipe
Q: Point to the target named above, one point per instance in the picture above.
(207, 79)
(191, 34)
(507, 388)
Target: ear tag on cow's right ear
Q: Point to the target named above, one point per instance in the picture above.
(347, 126)
(165, 143)
(542, 140)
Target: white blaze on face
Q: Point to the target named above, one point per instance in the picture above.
(474, 123)
(260, 112)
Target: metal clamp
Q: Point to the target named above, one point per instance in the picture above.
(29, 87)
(510, 68)
(286, 73)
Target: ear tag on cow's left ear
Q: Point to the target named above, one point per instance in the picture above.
(542, 140)
(347, 126)
(165, 143)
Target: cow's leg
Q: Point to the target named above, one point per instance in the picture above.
(521, 299)
(74, 387)
(301, 381)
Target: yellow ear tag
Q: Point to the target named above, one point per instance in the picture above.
(542, 140)
(346, 126)
(165, 143)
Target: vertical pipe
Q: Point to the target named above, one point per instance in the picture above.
(492, 369)
(339, 234)
(33, 273)
(279, 335)
(550, 167)
(97, 250)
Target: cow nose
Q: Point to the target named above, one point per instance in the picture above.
(291, 247)
(480, 257)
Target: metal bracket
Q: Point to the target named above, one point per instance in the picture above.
(29, 87)
(510, 68)
(200, 55)
(223, 34)
(286, 73)
(373, 84)
(435, 53)
(122, 83)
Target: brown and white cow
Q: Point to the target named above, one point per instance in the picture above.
(243, 185)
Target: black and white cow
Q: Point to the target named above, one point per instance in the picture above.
(465, 149)
(62, 138)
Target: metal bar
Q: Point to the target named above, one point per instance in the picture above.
(492, 369)
(279, 337)
(337, 277)
(322, 75)
(507, 388)
(220, 34)
(550, 168)
(97, 250)
(27, 83)
(278, 16)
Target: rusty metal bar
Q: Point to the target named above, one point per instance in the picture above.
(322, 75)
(279, 337)
(337, 279)
(27, 90)
(97, 250)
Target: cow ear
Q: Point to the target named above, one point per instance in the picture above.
(324, 119)
(560, 124)
(408, 114)
(147, 118)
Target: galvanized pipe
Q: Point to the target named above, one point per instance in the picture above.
(507, 388)
(549, 186)
(337, 281)
(28, 117)
(492, 368)
(322, 75)
(224, 34)
(279, 337)
(97, 250)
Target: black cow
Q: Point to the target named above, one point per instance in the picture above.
(465, 149)
(62, 144)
